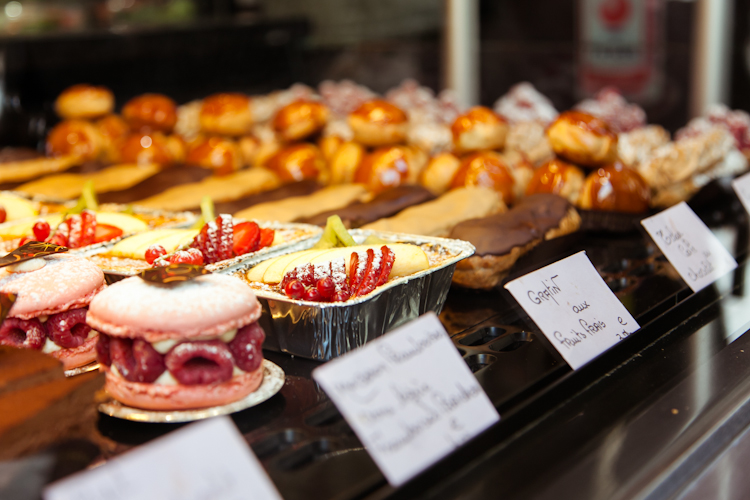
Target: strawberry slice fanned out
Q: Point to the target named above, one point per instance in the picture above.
(389, 257)
(372, 273)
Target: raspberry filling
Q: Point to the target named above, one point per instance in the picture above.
(198, 362)
(203, 362)
(29, 333)
(69, 328)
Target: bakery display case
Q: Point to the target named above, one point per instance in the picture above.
(275, 204)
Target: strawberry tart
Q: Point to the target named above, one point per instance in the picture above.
(49, 312)
(184, 345)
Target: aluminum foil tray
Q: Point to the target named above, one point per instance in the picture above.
(323, 331)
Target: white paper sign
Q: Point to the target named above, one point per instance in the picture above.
(574, 308)
(689, 245)
(205, 460)
(741, 186)
(409, 396)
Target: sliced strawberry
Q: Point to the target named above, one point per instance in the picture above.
(88, 228)
(75, 231)
(306, 274)
(338, 276)
(226, 236)
(246, 237)
(372, 273)
(106, 232)
(357, 267)
(266, 238)
(389, 257)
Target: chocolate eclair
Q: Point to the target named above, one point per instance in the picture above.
(384, 204)
(502, 238)
(164, 179)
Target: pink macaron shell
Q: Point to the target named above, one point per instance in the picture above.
(65, 282)
(207, 305)
(182, 397)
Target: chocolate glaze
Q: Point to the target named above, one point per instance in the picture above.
(528, 220)
(167, 178)
(301, 188)
(385, 204)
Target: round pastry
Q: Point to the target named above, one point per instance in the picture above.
(300, 119)
(582, 139)
(226, 114)
(49, 313)
(378, 123)
(84, 102)
(150, 112)
(477, 129)
(328, 145)
(114, 130)
(384, 168)
(221, 155)
(190, 344)
(345, 162)
(439, 173)
(557, 177)
(75, 137)
(615, 188)
(297, 163)
(146, 148)
(486, 169)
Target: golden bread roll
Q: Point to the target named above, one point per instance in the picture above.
(226, 114)
(557, 177)
(146, 148)
(477, 129)
(114, 130)
(486, 169)
(300, 119)
(378, 123)
(75, 137)
(345, 162)
(84, 102)
(384, 168)
(249, 147)
(582, 139)
(328, 145)
(219, 154)
(615, 188)
(297, 162)
(438, 217)
(150, 112)
(439, 172)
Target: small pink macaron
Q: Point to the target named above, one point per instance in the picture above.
(184, 345)
(49, 313)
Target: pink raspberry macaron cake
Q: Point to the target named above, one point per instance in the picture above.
(178, 346)
(49, 314)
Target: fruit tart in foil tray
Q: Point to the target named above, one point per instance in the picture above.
(320, 301)
(221, 242)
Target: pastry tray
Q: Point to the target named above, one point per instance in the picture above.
(323, 331)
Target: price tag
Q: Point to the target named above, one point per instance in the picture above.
(205, 460)
(574, 308)
(409, 396)
(689, 245)
(741, 186)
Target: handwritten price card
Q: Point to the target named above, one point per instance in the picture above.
(741, 186)
(202, 461)
(689, 245)
(575, 309)
(409, 396)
